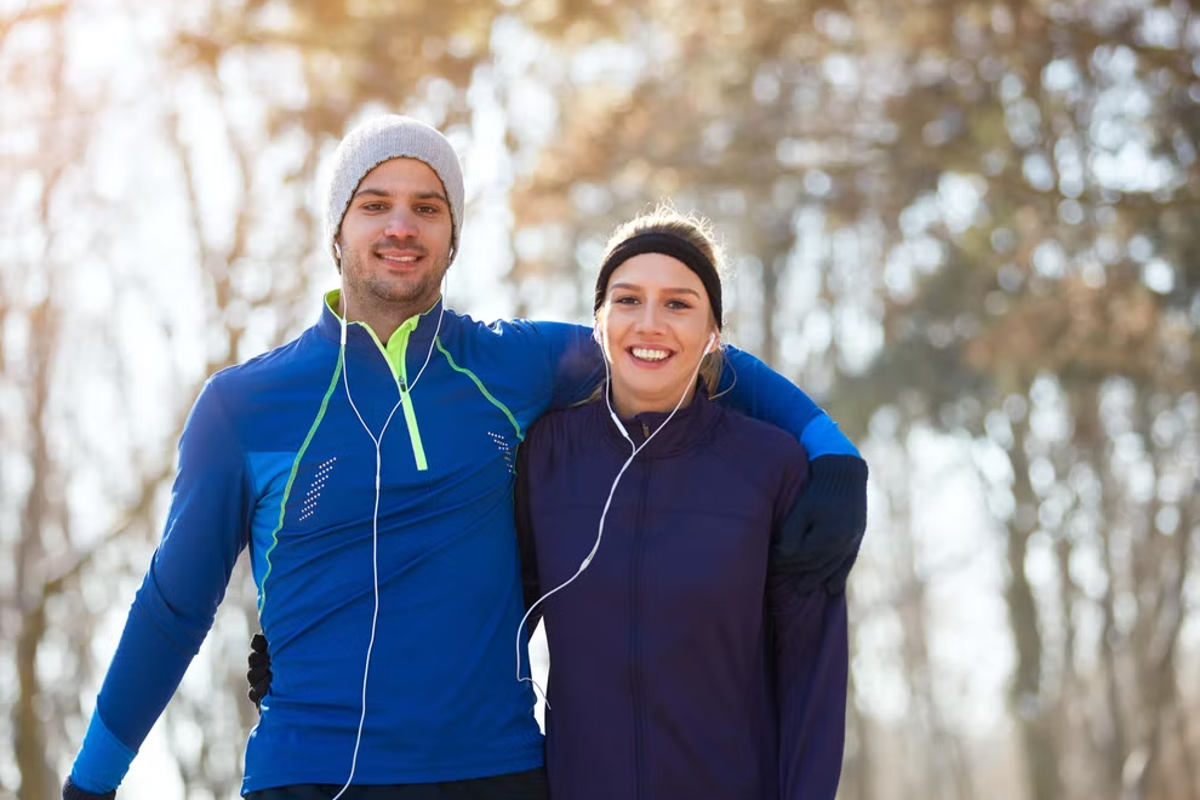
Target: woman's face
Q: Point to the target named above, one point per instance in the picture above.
(655, 326)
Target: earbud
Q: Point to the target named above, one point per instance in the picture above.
(712, 340)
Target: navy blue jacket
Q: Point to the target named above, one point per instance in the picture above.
(701, 653)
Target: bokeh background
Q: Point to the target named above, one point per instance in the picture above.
(970, 229)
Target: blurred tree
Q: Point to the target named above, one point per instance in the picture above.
(1046, 153)
(101, 361)
(36, 522)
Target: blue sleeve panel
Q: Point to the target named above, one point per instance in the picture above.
(207, 527)
(758, 391)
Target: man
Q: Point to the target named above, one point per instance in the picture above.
(368, 466)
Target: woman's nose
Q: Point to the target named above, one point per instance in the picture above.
(650, 319)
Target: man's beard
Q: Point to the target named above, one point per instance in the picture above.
(392, 290)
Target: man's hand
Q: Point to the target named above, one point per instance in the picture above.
(829, 520)
(259, 674)
(73, 792)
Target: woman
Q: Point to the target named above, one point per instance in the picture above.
(698, 643)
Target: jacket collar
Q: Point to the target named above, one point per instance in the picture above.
(419, 328)
(415, 333)
(685, 430)
(330, 323)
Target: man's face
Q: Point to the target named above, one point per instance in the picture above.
(395, 237)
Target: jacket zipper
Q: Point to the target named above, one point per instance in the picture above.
(410, 414)
(635, 635)
(400, 373)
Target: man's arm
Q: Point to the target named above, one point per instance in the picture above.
(756, 390)
(207, 527)
(833, 508)
(747, 385)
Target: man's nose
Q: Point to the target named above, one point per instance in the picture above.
(401, 224)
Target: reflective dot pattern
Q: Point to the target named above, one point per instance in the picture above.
(314, 492)
(505, 450)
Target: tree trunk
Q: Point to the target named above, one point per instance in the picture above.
(30, 734)
(1027, 694)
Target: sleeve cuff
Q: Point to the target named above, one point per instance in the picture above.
(102, 762)
(840, 476)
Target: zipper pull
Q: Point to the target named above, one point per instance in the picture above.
(645, 431)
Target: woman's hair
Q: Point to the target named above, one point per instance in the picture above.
(696, 231)
(693, 228)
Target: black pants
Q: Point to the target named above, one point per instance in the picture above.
(529, 785)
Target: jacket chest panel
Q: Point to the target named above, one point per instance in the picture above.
(683, 543)
(434, 456)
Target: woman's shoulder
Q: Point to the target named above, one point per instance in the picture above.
(567, 440)
(565, 424)
(753, 439)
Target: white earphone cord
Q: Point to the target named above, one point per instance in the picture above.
(612, 491)
(378, 441)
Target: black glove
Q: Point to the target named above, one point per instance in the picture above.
(73, 792)
(823, 531)
(259, 674)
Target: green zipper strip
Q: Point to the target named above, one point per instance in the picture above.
(410, 417)
(287, 490)
(400, 372)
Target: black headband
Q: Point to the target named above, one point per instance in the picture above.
(666, 244)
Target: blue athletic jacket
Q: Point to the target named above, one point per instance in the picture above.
(274, 458)
(703, 652)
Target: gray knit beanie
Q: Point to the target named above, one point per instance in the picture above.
(381, 139)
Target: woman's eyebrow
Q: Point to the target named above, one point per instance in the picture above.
(670, 289)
